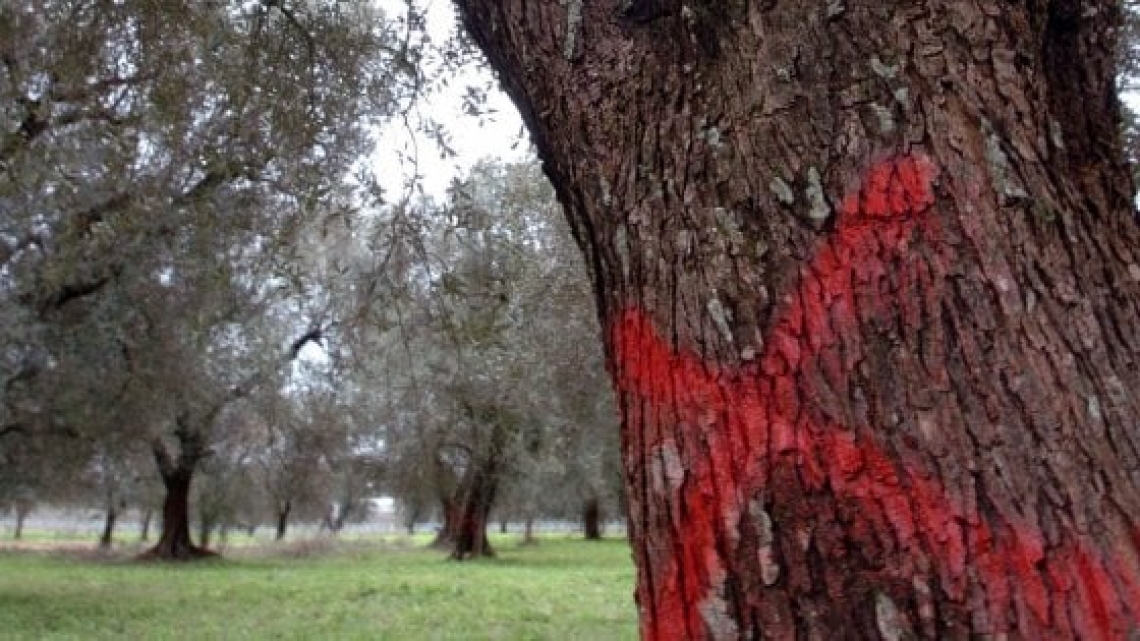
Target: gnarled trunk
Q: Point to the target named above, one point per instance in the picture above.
(477, 496)
(174, 543)
(870, 282)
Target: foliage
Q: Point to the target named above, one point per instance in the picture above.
(157, 161)
(1129, 74)
(505, 384)
(198, 270)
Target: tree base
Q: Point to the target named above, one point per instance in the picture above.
(472, 546)
(191, 553)
(486, 553)
(442, 542)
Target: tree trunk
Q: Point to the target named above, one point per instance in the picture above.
(337, 519)
(870, 285)
(592, 519)
(144, 528)
(108, 536)
(174, 543)
(449, 527)
(283, 519)
(23, 509)
(477, 496)
(205, 529)
(528, 531)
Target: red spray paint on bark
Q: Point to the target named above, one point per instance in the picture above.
(717, 436)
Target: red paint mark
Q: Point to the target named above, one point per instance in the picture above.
(733, 428)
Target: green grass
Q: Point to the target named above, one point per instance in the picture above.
(560, 589)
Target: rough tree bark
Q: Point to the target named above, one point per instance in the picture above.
(868, 275)
(174, 543)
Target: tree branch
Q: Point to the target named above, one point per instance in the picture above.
(31, 126)
(315, 335)
(13, 428)
(213, 179)
(162, 457)
(70, 292)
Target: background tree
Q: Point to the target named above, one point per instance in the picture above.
(865, 271)
(155, 160)
(528, 340)
(491, 318)
(116, 474)
(292, 464)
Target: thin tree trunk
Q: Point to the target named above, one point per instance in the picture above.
(107, 538)
(528, 530)
(205, 529)
(283, 519)
(591, 519)
(22, 513)
(144, 527)
(870, 283)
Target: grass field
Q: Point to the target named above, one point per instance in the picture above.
(560, 589)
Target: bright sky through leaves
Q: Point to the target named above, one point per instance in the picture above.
(494, 134)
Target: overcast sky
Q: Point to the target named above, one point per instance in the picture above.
(495, 135)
